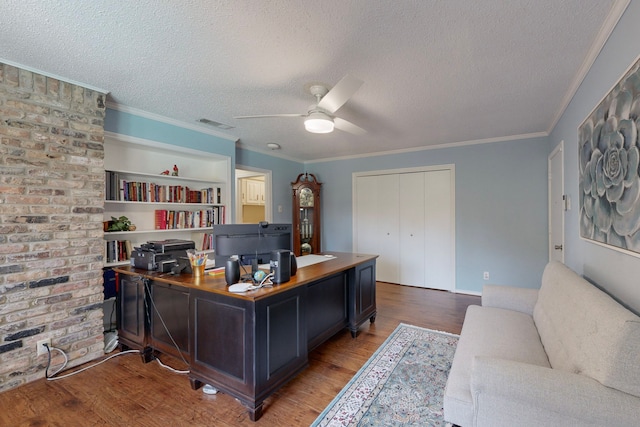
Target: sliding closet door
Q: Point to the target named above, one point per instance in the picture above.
(408, 219)
(377, 205)
(439, 253)
(412, 227)
(388, 270)
(366, 210)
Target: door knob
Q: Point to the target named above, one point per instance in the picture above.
(558, 247)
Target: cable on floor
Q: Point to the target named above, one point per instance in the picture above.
(50, 377)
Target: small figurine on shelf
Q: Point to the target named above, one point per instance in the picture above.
(165, 172)
(175, 171)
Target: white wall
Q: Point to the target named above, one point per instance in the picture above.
(614, 271)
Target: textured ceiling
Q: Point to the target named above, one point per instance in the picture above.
(435, 72)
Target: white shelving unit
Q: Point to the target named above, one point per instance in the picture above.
(143, 161)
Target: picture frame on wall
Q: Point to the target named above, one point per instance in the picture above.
(609, 162)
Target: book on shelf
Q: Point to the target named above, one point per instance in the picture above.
(117, 250)
(203, 240)
(207, 241)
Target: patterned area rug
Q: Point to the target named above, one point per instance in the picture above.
(402, 384)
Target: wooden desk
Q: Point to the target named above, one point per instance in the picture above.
(247, 345)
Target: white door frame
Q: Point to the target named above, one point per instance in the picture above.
(556, 206)
(249, 171)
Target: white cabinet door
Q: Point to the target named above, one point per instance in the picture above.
(252, 192)
(412, 224)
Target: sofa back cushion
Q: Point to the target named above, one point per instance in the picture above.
(585, 331)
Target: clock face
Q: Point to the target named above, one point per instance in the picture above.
(306, 198)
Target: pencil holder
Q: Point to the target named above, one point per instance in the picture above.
(198, 270)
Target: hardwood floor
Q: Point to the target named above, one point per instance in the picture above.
(125, 392)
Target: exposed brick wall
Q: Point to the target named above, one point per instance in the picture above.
(51, 238)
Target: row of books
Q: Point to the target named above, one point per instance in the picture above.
(140, 191)
(118, 250)
(172, 219)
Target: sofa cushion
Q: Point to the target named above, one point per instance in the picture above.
(510, 297)
(489, 332)
(585, 331)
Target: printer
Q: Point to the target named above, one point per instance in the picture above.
(160, 255)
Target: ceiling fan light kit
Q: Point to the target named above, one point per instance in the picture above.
(320, 118)
(318, 122)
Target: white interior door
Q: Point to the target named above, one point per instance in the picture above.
(556, 204)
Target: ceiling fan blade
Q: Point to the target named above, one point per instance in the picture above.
(348, 126)
(269, 115)
(340, 93)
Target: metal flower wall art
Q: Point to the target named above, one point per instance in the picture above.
(609, 180)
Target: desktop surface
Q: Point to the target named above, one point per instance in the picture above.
(336, 261)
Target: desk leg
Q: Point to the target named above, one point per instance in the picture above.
(195, 384)
(146, 353)
(256, 412)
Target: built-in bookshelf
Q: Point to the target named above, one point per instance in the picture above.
(141, 184)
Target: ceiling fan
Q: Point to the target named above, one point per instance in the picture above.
(319, 118)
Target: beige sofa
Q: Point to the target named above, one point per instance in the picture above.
(567, 354)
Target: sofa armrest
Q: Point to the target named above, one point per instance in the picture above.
(507, 393)
(510, 298)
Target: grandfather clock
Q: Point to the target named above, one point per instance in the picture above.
(306, 214)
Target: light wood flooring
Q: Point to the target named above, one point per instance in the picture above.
(125, 392)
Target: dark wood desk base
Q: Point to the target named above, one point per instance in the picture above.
(250, 345)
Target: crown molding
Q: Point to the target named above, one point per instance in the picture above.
(436, 147)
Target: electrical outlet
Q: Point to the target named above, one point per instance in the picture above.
(40, 348)
(486, 275)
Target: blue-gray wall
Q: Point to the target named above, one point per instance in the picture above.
(617, 272)
(501, 188)
(501, 206)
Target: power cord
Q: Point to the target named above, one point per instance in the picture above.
(111, 317)
(174, 370)
(265, 283)
(51, 377)
(166, 328)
